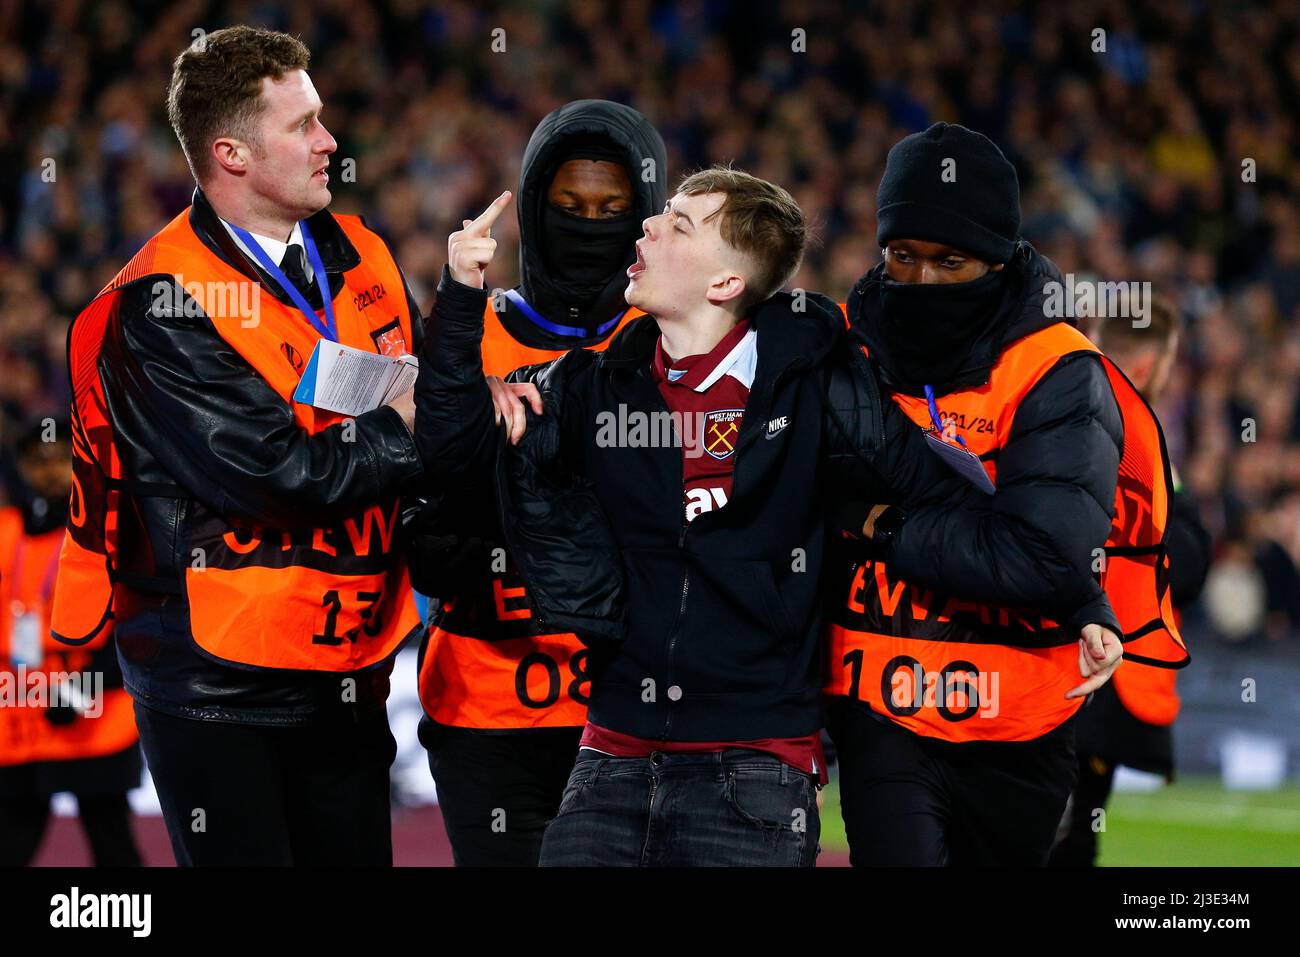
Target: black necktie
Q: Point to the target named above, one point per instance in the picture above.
(294, 271)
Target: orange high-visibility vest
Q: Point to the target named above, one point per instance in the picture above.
(332, 599)
(503, 353)
(27, 570)
(1149, 694)
(1133, 570)
(483, 664)
(969, 671)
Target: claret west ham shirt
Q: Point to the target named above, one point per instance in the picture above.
(709, 393)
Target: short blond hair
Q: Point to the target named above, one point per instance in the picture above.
(760, 220)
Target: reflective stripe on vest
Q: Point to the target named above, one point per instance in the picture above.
(325, 599)
(966, 671)
(26, 735)
(483, 664)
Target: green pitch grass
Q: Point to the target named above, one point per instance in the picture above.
(1193, 822)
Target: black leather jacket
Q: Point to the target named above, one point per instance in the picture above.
(199, 432)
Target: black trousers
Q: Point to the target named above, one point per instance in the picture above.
(1107, 735)
(1076, 842)
(106, 819)
(497, 791)
(913, 801)
(253, 795)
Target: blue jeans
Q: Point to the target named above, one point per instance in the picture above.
(737, 808)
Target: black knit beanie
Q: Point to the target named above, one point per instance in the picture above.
(971, 203)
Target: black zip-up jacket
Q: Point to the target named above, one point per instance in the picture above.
(706, 631)
(198, 431)
(1032, 545)
(701, 631)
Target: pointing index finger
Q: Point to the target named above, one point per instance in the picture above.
(489, 216)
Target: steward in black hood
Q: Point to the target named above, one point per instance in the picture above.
(572, 269)
(499, 741)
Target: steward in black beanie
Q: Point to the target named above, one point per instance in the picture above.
(953, 186)
(1021, 405)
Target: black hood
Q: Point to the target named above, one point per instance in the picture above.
(628, 131)
(1019, 314)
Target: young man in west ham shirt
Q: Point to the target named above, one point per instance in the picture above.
(691, 567)
(711, 391)
(695, 585)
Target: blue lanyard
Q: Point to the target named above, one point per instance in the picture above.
(329, 330)
(934, 416)
(555, 327)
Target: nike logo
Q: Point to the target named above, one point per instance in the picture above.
(776, 426)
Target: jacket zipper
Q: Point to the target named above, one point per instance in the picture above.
(681, 547)
(681, 608)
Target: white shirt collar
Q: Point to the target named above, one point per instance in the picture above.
(273, 247)
(739, 363)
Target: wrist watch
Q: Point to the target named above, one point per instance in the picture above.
(887, 525)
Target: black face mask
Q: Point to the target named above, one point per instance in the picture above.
(925, 332)
(583, 254)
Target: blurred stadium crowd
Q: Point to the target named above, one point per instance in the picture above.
(1132, 163)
